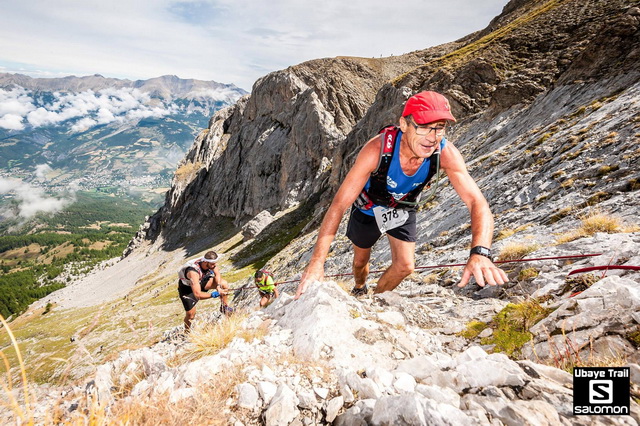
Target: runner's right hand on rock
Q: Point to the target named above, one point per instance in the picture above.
(310, 274)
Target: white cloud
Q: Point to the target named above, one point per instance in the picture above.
(14, 105)
(30, 200)
(228, 41)
(42, 117)
(15, 102)
(11, 122)
(224, 95)
(42, 170)
(89, 108)
(84, 124)
(105, 116)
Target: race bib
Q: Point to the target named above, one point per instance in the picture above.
(389, 218)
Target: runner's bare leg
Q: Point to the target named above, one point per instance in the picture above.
(402, 264)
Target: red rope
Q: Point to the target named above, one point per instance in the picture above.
(604, 268)
(460, 264)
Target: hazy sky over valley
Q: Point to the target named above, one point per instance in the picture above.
(227, 41)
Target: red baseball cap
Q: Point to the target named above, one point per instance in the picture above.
(427, 107)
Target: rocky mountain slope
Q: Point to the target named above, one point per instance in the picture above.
(547, 100)
(400, 358)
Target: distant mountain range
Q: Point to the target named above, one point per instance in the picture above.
(99, 132)
(165, 87)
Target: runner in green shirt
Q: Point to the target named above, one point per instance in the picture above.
(266, 287)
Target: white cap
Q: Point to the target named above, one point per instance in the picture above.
(217, 259)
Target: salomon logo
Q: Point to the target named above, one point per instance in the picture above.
(391, 183)
(601, 390)
(389, 141)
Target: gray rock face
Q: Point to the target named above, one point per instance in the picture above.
(282, 409)
(588, 320)
(247, 396)
(257, 224)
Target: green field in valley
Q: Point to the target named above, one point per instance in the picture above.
(44, 254)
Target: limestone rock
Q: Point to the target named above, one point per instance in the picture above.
(333, 407)
(257, 224)
(247, 396)
(282, 408)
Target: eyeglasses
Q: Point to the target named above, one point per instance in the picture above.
(425, 130)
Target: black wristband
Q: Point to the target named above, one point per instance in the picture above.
(483, 251)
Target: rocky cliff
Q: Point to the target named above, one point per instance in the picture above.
(275, 148)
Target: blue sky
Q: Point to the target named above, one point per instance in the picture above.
(227, 41)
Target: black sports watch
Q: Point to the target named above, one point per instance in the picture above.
(483, 251)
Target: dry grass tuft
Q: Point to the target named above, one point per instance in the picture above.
(599, 222)
(516, 251)
(579, 283)
(211, 338)
(208, 406)
(23, 413)
(595, 222)
(566, 356)
(306, 368)
(507, 232)
(345, 285)
(431, 278)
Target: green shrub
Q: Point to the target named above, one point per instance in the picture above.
(473, 329)
(511, 326)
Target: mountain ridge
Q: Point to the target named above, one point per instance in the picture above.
(167, 86)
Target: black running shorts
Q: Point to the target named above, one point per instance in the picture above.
(363, 231)
(268, 294)
(187, 297)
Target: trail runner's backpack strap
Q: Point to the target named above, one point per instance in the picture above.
(378, 192)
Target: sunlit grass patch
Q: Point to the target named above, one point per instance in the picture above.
(210, 338)
(511, 326)
(186, 172)
(527, 274)
(473, 329)
(66, 344)
(596, 222)
(21, 409)
(516, 251)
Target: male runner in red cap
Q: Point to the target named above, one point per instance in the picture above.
(383, 187)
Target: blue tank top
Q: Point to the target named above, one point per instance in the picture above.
(398, 183)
